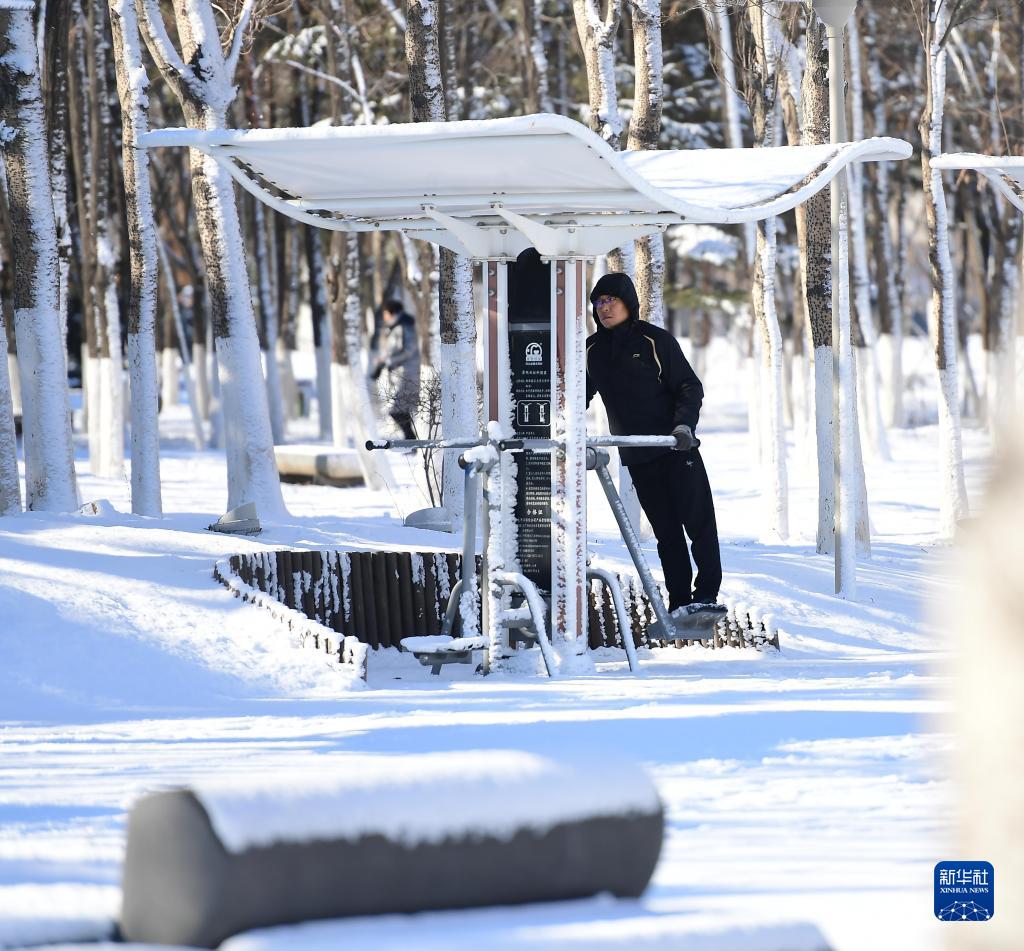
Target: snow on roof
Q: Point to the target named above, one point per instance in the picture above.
(490, 188)
(1005, 172)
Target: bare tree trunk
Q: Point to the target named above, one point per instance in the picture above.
(57, 31)
(816, 273)
(10, 487)
(890, 341)
(719, 25)
(456, 357)
(201, 78)
(1001, 301)
(942, 313)
(49, 459)
(763, 92)
(597, 37)
(869, 387)
(530, 22)
(132, 84)
(644, 133)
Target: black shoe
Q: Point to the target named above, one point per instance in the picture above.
(706, 607)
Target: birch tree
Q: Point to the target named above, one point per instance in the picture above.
(10, 487)
(816, 276)
(888, 304)
(457, 353)
(536, 58)
(1003, 221)
(866, 338)
(92, 136)
(201, 77)
(56, 16)
(132, 90)
(597, 37)
(719, 26)
(644, 132)
(763, 79)
(49, 458)
(935, 24)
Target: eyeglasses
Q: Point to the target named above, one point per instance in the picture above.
(604, 301)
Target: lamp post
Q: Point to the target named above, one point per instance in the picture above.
(835, 14)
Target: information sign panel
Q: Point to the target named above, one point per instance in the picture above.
(529, 326)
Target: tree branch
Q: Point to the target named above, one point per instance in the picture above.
(166, 57)
(231, 62)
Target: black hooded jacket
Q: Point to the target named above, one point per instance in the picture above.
(639, 370)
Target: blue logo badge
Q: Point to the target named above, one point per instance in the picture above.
(964, 891)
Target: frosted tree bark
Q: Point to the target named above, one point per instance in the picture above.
(869, 388)
(717, 17)
(321, 329)
(376, 468)
(111, 372)
(198, 440)
(269, 323)
(49, 459)
(644, 133)
(942, 311)
(538, 93)
(201, 77)
(132, 86)
(597, 37)
(456, 355)
(55, 22)
(890, 339)
(770, 418)
(92, 134)
(10, 487)
(1003, 284)
(816, 277)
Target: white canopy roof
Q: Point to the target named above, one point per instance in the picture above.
(1005, 172)
(490, 188)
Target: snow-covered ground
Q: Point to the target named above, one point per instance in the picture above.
(806, 792)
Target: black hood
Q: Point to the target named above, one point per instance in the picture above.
(617, 285)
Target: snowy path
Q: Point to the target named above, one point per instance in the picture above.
(803, 787)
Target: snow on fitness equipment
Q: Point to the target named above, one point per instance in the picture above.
(348, 604)
(380, 836)
(491, 189)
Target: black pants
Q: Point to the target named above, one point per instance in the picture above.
(675, 495)
(404, 422)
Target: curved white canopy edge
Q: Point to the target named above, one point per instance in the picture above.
(490, 188)
(1005, 172)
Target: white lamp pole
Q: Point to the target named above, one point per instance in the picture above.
(835, 14)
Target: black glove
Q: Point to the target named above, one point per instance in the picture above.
(377, 371)
(684, 437)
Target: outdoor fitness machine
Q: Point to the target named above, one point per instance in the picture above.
(490, 190)
(537, 499)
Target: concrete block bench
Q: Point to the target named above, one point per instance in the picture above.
(319, 463)
(384, 835)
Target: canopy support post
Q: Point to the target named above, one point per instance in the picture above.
(569, 469)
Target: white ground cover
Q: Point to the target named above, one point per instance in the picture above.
(807, 792)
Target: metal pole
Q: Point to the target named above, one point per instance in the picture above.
(842, 404)
(632, 542)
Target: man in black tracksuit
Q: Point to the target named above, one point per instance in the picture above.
(648, 388)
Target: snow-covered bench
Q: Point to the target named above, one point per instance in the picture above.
(319, 463)
(380, 835)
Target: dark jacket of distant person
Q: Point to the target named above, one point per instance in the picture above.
(396, 353)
